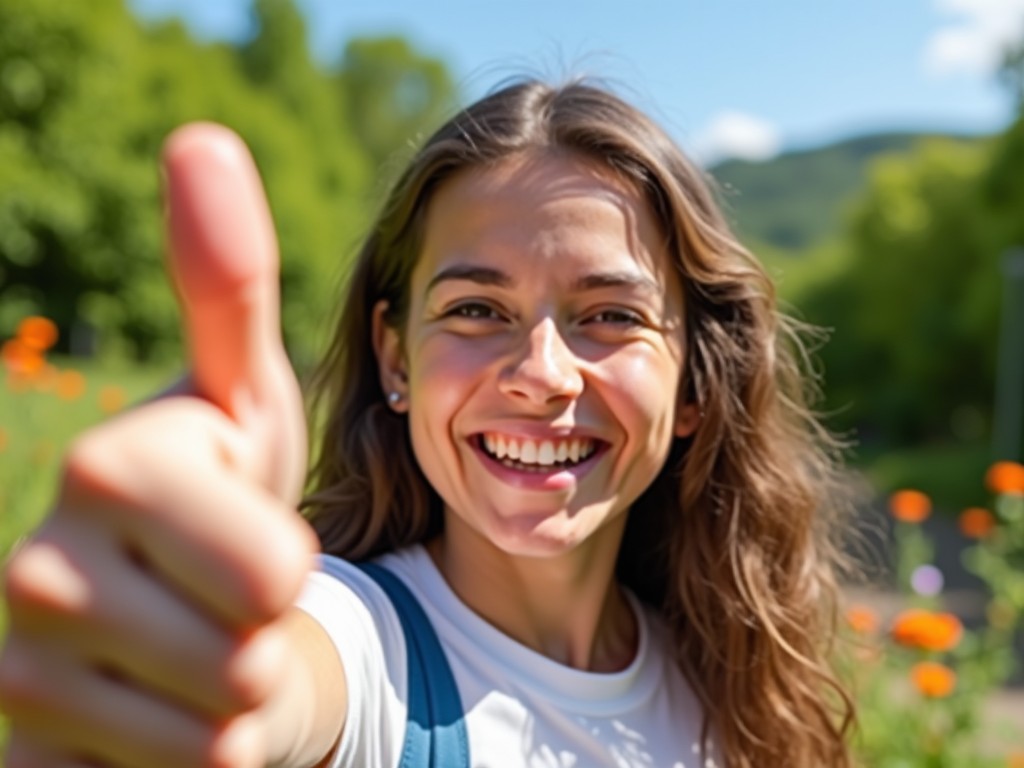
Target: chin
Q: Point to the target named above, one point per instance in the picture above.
(541, 536)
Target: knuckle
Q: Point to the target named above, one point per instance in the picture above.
(17, 580)
(239, 744)
(254, 669)
(39, 581)
(292, 561)
(23, 588)
(273, 568)
(88, 470)
(244, 693)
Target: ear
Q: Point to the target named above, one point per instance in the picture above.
(687, 419)
(387, 344)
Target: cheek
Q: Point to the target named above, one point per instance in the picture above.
(447, 362)
(645, 383)
(443, 374)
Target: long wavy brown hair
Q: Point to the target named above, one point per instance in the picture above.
(733, 540)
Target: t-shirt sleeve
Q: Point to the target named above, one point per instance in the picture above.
(361, 622)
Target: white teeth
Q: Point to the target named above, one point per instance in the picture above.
(543, 453)
(528, 452)
(546, 454)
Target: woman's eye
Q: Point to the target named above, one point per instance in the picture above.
(474, 312)
(616, 317)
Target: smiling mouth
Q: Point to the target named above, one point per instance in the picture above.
(537, 455)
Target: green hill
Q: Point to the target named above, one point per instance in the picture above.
(798, 198)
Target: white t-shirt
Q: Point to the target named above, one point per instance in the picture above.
(521, 708)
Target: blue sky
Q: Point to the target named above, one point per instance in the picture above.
(726, 77)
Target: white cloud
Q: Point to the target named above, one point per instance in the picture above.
(973, 40)
(735, 135)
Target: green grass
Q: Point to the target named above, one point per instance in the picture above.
(35, 428)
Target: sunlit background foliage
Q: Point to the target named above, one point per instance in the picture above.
(87, 95)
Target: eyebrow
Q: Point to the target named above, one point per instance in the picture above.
(495, 277)
(472, 273)
(618, 280)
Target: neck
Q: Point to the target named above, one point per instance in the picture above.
(566, 607)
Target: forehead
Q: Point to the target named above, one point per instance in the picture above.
(549, 209)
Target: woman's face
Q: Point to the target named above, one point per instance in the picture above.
(543, 355)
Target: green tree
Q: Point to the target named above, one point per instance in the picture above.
(67, 77)
(317, 173)
(88, 94)
(916, 313)
(393, 94)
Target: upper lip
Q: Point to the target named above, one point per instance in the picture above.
(539, 432)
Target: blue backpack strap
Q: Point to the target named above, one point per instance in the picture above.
(435, 734)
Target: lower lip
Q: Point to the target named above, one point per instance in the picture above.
(558, 479)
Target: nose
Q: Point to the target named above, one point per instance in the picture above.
(543, 367)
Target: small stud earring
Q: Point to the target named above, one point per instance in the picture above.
(394, 398)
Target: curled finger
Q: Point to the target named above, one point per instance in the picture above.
(64, 708)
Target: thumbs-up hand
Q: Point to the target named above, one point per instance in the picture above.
(146, 613)
(225, 265)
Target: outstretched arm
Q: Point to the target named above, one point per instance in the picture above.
(150, 615)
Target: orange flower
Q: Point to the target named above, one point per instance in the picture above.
(936, 681)
(1005, 477)
(112, 399)
(38, 333)
(862, 619)
(1015, 760)
(70, 385)
(910, 506)
(926, 630)
(976, 522)
(21, 359)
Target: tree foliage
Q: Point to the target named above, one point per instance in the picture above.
(87, 95)
(797, 200)
(915, 313)
(392, 93)
(911, 284)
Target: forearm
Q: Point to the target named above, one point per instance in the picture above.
(304, 719)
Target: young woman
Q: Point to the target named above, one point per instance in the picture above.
(561, 419)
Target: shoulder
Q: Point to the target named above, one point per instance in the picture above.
(351, 607)
(344, 598)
